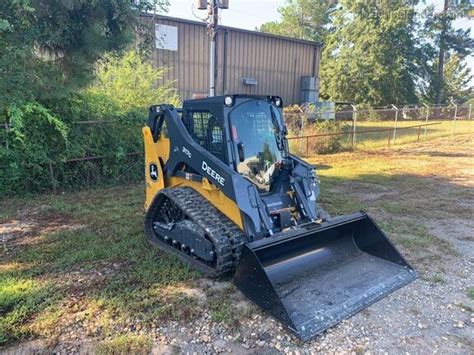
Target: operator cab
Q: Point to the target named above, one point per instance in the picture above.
(245, 132)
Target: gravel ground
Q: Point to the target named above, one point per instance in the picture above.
(432, 314)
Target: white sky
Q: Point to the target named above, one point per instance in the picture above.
(250, 14)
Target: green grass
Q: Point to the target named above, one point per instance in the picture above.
(19, 299)
(470, 292)
(376, 140)
(125, 344)
(408, 135)
(99, 228)
(223, 307)
(438, 279)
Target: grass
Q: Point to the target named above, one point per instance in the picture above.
(86, 257)
(86, 232)
(377, 140)
(125, 344)
(438, 279)
(223, 306)
(407, 135)
(402, 190)
(470, 292)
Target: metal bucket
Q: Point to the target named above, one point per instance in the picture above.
(314, 277)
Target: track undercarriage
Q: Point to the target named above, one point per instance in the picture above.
(183, 222)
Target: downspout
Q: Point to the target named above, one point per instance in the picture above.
(315, 53)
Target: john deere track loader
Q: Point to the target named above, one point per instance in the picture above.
(224, 195)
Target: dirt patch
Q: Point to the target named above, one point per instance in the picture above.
(31, 227)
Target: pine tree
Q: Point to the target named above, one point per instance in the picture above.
(371, 52)
(447, 42)
(372, 56)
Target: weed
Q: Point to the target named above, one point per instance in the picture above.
(470, 292)
(125, 344)
(438, 279)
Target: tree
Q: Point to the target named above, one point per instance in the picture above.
(48, 51)
(373, 55)
(446, 41)
(126, 83)
(456, 84)
(371, 51)
(48, 47)
(303, 19)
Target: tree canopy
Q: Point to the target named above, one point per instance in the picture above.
(50, 52)
(304, 19)
(49, 47)
(381, 52)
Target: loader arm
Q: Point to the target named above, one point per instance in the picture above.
(184, 150)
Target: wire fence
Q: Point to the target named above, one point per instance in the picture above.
(111, 152)
(372, 128)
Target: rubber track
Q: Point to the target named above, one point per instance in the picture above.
(226, 237)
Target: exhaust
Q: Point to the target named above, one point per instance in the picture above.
(313, 277)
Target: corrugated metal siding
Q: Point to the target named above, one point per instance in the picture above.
(276, 63)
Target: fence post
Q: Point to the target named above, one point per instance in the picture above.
(426, 120)
(307, 145)
(396, 120)
(354, 125)
(51, 176)
(470, 110)
(388, 136)
(303, 123)
(455, 116)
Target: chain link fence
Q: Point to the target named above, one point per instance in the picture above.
(372, 128)
(98, 153)
(103, 153)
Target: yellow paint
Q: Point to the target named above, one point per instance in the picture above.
(152, 157)
(154, 152)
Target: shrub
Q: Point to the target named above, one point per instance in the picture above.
(43, 137)
(37, 138)
(301, 121)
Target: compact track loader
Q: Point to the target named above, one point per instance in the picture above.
(224, 195)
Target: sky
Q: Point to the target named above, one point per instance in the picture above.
(250, 14)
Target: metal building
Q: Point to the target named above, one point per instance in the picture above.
(248, 62)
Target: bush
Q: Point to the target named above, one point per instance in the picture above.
(127, 83)
(299, 122)
(43, 137)
(37, 138)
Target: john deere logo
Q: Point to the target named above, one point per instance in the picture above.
(153, 172)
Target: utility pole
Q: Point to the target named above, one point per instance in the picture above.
(442, 50)
(212, 7)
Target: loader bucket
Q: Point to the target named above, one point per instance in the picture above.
(312, 279)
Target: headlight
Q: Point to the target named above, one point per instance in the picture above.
(229, 100)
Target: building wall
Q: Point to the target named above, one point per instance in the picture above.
(276, 63)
